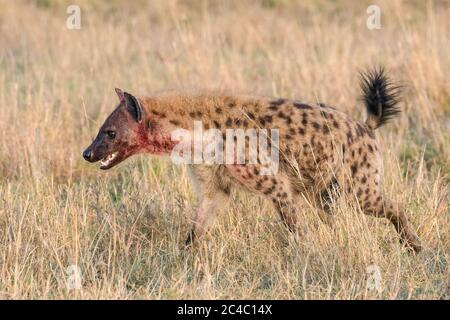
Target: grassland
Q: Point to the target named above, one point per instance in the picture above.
(124, 228)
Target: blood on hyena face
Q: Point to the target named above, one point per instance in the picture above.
(118, 138)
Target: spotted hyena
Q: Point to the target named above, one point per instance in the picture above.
(323, 153)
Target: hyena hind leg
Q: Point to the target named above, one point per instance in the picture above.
(380, 206)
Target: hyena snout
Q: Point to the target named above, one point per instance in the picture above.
(94, 153)
(88, 154)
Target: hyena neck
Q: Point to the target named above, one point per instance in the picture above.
(162, 145)
(180, 111)
(164, 114)
(153, 139)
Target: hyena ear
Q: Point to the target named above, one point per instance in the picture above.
(133, 106)
(120, 95)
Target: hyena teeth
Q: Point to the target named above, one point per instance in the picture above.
(107, 160)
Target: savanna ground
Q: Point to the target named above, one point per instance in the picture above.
(124, 228)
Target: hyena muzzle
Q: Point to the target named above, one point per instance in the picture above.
(323, 152)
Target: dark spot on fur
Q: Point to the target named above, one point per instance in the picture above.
(302, 106)
(268, 118)
(273, 108)
(354, 168)
(364, 179)
(216, 124)
(359, 193)
(326, 129)
(231, 104)
(175, 122)
(336, 124)
(160, 114)
(281, 115)
(218, 110)
(269, 191)
(226, 190)
(349, 138)
(316, 125)
(301, 131)
(251, 115)
(360, 130)
(276, 103)
(228, 122)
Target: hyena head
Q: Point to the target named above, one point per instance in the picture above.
(122, 135)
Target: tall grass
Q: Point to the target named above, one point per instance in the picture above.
(124, 228)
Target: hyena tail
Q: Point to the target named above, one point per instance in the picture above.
(380, 96)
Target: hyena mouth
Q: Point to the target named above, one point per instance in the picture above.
(109, 161)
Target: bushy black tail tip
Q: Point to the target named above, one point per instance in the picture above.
(380, 95)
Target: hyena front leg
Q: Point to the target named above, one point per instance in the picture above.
(276, 188)
(213, 191)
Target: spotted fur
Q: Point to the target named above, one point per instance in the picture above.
(324, 153)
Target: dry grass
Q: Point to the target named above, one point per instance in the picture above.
(124, 227)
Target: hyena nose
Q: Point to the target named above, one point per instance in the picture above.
(87, 154)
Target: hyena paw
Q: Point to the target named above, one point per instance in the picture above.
(412, 243)
(190, 241)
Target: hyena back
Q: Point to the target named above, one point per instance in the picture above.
(323, 152)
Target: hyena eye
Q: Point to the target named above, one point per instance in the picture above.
(111, 134)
